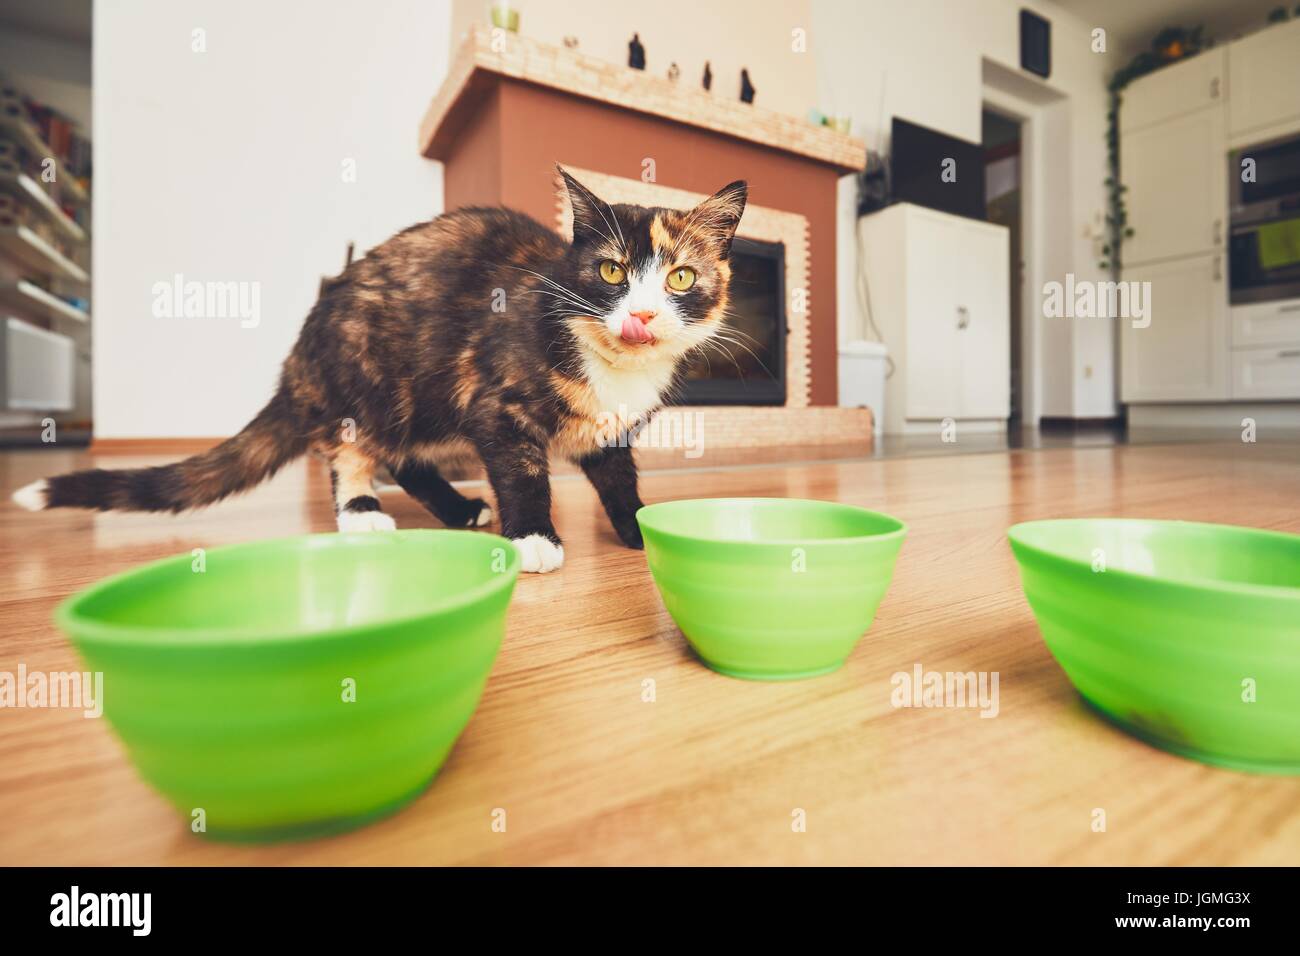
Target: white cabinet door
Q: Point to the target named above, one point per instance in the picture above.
(1183, 354)
(1174, 91)
(1264, 76)
(984, 337)
(934, 280)
(1176, 174)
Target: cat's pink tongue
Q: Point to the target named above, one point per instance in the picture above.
(634, 330)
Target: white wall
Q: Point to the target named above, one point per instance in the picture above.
(227, 166)
(927, 59)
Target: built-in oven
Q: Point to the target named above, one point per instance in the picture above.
(1264, 239)
(1264, 261)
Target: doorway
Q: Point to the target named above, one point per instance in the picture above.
(1044, 358)
(1003, 196)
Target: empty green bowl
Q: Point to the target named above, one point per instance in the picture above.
(1187, 635)
(301, 686)
(770, 588)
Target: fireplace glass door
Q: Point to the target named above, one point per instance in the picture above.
(746, 365)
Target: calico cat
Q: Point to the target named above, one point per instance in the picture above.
(479, 329)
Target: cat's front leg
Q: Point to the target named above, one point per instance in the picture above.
(519, 472)
(612, 472)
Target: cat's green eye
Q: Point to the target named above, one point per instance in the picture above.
(681, 278)
(612, 272)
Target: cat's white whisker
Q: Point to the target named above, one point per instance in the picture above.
(605, 236)
(572, 296)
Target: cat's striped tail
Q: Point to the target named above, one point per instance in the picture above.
(271, 440)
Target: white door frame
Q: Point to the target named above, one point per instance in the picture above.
(1026, 112)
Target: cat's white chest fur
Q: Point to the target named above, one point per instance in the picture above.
(628, 393)
(613, 402)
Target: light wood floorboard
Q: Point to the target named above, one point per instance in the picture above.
(711, 771)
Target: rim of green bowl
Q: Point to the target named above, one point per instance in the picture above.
(898, 531)
(1198, 584)
(81, 628)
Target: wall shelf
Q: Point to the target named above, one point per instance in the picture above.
(24, 186)
(32, 298)
(35, 253)
(44, 339)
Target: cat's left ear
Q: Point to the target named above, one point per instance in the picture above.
(719, 215)
(589, 212)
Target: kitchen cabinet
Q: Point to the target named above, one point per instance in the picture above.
(1182, 355)
(941, 298)
(1264, 78)
(1176, 174)
(1175, 90)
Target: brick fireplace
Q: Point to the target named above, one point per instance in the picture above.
(512, 107)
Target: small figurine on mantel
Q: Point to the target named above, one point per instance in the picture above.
(674, 72)
(746, 88)
(570, 42)
(636, 53)
(708, 76)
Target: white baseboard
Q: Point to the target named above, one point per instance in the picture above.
(1217, 415)
(964, 426)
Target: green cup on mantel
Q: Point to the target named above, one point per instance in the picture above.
(770, 588)
(302, 686)
(1186, 635)
(505, 17)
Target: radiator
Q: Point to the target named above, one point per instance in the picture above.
(38, 368)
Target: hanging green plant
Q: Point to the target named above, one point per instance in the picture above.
(1169, 46)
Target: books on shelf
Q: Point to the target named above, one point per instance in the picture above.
(47, 135)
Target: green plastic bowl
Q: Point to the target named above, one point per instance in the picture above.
(770, 588)
(301, 686)
(1182, 627)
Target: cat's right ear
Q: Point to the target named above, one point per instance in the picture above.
(719, 215)
(590, 218)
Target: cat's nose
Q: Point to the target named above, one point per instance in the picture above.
(645, 315)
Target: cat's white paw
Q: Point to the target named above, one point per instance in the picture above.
(484, 517)
(33, 497)
(366, 521)
(538, 553)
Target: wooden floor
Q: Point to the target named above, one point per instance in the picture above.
(714, 769)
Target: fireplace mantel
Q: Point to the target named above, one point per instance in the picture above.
(578, 74)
